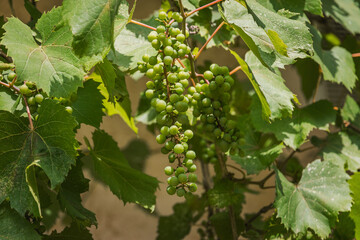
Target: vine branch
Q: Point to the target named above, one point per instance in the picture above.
(263, 210)
(202, 7)
(6, 57)
(355, 55)
(209, 39)
(235, 70)
(142, 24)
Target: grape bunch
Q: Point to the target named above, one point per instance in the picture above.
(212, 97)
(167, 91)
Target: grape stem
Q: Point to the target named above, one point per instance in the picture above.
(142, 24)
(263, 210)
(190, 57)
(17, 90)
(209, 39)
(6, 57)
(355, 55)
(202, 7)
(235, 70)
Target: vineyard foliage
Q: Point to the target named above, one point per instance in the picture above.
(67, 68)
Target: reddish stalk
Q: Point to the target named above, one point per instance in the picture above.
(355, 55)
(235, 70)
(142, 24)
(211, 37)
(202, 7)
(179, 61)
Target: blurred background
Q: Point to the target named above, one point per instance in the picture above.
(116, 221)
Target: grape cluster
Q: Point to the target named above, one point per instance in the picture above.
(167, 91)
(212, 98)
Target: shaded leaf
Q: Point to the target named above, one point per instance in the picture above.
(315, 201)
(226, 193)
(111, 167)
(137, 152)
(309, 73)
(354, 183)
(75, 231)
(351, 111)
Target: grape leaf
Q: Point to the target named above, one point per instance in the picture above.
(226, 193)
(315, 201)
(87, 108)
(294, 131)
(354, 183)
(222, 224)
(13, 226)
(345, 12)
(336, 64)
(351, 111)
(123, 16)
(309, 73)
(252, 25)
(130, 45)
(345, 227)
(256, 157)
(111, 167)
(92, 24)
(274, 96)
(295, 6)
(75, 231)
(49, 146)
(343, 149)
(69, 196)
(11, 102)
(51, 65)
(111, 80)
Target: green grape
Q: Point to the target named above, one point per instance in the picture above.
(189, 134)
(192, 187)
(182, 178)
(153, 60)
(174, 181)
(169, 170)
(160, 139)
(149, 93)
(11, 76)
(145, 58)
(160, 29)
(174, 130)
(164, 130)
(171, 190)
(192, 168)
(172, 157)
(152, 36)
(180, 192)
(192, 177)
(219, 79)
(169, 145)
(190, 154)
(69, 109)
(168, 51)
(24, 90)
(31, 101)
(39, 98)
(189, 163)
(181, 106)
(162, 15)
(160, 105)
(180, 37)
(208, 75)
(168, 60)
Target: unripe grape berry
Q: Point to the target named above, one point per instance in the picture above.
(39, 98)
(206, 102)
(179, 148)
(182, 178)
(180, 192)
(219, 79)
(189, 163)
(172, 157)
(181, 106)
(160, 139)
(162, 15)
(186, 146)
(192, 177)
(156, 44)
(183, 75)
(169, 170)
(179, 171)
(153, 60)
(152, 36)
(193, 187)
(168, 60)
(24, 89)
(169, 145)
(150, 73)
(160, 29)
(189, 134)
(160, 105)
(174, 181)
(192, 168)
(208, 75)
(172, 78)
(224, 70)
(146, 58)
(190, 154)
(31, 101)
(149, 94)
(174, 130)
(180, 37)
(229, 80)
(164, 130)
(171, 190)
(168, 51)
(69, 109)
(11, 76)
(174, 98)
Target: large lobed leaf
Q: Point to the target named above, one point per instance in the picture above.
(51, 65)
(92, 24)
(351, 111)
(111, 167)
(294, 131)
(274, 39)
(50, 146)
(315, 201)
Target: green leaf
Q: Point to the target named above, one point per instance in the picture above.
(226, 193)
(14, 227)
(343, 149)
(50, 146)
(345, 227)
(257, 157)
(336, 64)
(113, 87)
(274, 96)
(351, 111)
(123, 16)
(52, 64)
(294, 131)
(92, 24)
(345, 12)
(10, 102)
(126, 183)
(87, 108)
(296, 7)
(252, 25)
(75, 231)
(130, 45)
(354, 183)
(315, 201)
(69, 196)
(222, 224)
(309, 73)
